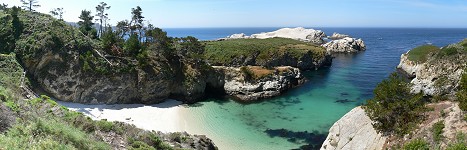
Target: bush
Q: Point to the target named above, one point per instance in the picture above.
(462, 93)
(138, 145)
(105, 126)
(132, 46)
(417, 144)
(437, 130)
(393, 108)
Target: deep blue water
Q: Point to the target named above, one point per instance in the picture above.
(384, 47)
(310, 109)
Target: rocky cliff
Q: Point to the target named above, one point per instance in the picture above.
(354, 131)
(340, 43)
(70, 66)
(438, 74)
(252, 83)
(299, 33)
(431, 70)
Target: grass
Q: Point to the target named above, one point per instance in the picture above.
(420, 54)
(223, 52)
(437, 130)
(417, 144)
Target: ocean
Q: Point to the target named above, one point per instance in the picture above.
(303, 115)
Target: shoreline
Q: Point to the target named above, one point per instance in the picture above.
(147, 117)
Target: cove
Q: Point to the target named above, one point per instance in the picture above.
(302, 116)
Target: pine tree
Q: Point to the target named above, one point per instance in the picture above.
(30, 4)
(103, 17)
(85, 25)
(57, 12)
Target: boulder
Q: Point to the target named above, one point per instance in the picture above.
(354, 131)
(346, 44)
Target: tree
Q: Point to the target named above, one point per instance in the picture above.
(30, 4)
(137, 20)
(57, 12)
(122, 28)
(132, 45)
(85, 25)
(103, 17)
(188, 47)
(393, 108)
(3, 6)
(111, 42)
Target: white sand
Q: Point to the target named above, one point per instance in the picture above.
(170, 116)
(164, 117)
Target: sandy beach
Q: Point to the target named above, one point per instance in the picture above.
(164, 117)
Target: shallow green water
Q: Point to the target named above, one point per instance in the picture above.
(313, 108)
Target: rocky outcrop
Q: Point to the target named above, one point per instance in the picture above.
(354, 131)
(337, 36)
(299, 33)
(253, 83)
(347, 44)
(436, 76)
(303, 62)
(64, 77)
(183, 140)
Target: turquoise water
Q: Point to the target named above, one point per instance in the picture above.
(299, 117)
(303, 115)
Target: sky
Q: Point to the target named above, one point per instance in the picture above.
(275, 13)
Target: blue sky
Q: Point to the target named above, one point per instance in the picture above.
(276, 13)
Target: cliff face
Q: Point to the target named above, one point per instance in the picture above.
(438, 75)
(354, 131)
(303, 62)
(253, 83)
(66, 80)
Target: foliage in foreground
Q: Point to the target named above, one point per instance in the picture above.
(417, 144)
(462, 93)
(393, 108)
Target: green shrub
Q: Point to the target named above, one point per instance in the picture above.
(420, 54)
(417, 144)
(139, 145)
(105, 125)
(462, 93)
(12, 105)
(437, 130)
(457, 146)
(393, 108)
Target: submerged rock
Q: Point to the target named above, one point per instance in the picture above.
(347, 44)
(354, 131)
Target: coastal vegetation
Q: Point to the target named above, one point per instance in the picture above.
(394, 108)
(462, 93)
(223, 52)
(28, 121)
